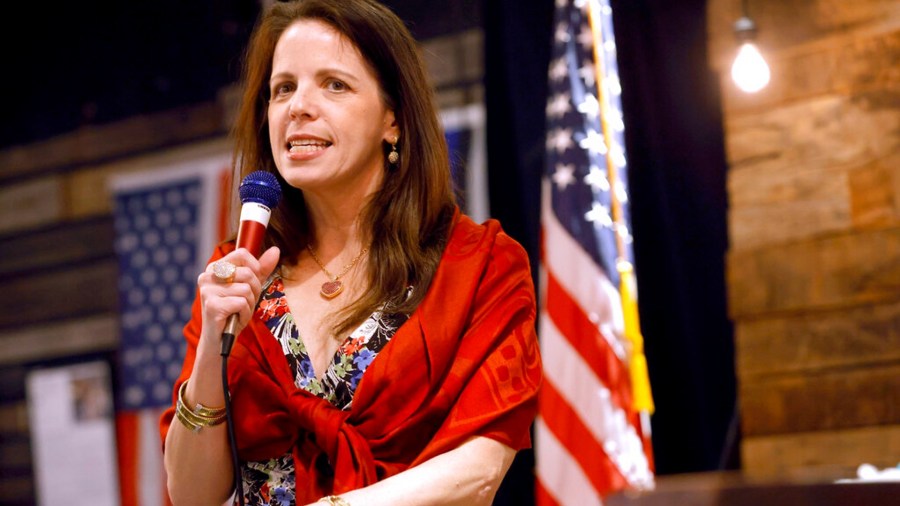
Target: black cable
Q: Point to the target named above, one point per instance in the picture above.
(235, 462)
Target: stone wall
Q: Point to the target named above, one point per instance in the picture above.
(813, 268)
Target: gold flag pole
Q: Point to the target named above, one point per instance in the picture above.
(637, 362)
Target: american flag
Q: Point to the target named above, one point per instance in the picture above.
(592, 436)
(165, 224)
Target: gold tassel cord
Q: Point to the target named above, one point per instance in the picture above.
(637, 362)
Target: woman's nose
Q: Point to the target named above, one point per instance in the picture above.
(302, 103)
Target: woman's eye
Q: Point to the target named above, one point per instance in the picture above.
(282, 89)
(335, 85)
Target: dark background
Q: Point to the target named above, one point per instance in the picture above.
(71, 65)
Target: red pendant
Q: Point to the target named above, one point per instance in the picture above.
(330, 289)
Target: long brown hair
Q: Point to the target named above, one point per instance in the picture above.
(409, 217)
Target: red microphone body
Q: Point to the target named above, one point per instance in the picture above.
(260, 193)
(252, 229)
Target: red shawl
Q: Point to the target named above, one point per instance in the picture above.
(465, 364)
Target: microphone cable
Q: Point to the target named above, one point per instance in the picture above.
(229, 420)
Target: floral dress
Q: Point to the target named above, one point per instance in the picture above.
(272, 482)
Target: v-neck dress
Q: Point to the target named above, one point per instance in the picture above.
(272, 482)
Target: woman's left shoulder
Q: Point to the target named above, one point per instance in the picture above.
(487, 238)
(467, 230)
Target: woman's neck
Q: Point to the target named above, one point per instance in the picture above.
(336, 227)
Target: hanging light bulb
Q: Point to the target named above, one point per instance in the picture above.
(749, 71)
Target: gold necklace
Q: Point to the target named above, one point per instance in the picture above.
(331, 288)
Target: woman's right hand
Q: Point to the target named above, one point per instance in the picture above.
(220, 299)
(199, 463)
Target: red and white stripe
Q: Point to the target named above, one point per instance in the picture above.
(588, 440)
(142, 478)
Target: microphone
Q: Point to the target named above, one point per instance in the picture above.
(260, 193)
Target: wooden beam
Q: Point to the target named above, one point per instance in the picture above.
(831, 400)
(78, 291)
(64, 243)
(874, 197)
(815, 341)
(75, 337)
(844, 270)
(823, 131)
(88, 190)
(816, 455)
(14, 418)
(815, 167)
(16, 472)
(98, 143)
(30, 204)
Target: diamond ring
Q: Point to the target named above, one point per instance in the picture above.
(224, 271)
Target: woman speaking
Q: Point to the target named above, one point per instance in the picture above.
(385, 349)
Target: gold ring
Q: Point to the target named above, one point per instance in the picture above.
(224, 271)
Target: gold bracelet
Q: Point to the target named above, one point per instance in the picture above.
(200, 409)
(201, 416)
(179, 413)
(335, 500)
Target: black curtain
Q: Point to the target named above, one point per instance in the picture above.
(517, 49)
(674, 144)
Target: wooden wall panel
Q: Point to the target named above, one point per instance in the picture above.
(821, 132)
(858, 64)
(770, 187)
(15, 453)
(87, 193)
(106, 142)
(30, 204)
(68, 338)
(16, 486)
(823, 454)
(864, 335)
(769, 224)
(813, 269)
(88, 190)
(844, 270)
(13, 419)
(812, 168)
(874, 197)
(86, 289)
(67, 243)
(823, 400)
(792, 25)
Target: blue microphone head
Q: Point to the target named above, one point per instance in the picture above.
(261, 187)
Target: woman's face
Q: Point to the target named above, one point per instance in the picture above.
(327, 120)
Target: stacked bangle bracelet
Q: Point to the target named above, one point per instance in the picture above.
(199, 417)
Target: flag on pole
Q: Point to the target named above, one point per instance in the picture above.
(592, 435)
(166, 228)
